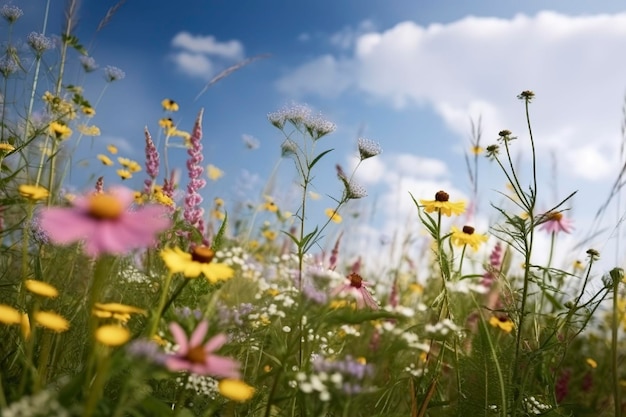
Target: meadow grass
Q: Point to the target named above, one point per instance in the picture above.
(150, 302)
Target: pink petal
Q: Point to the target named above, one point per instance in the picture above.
(222, 366)
(215, 343)
(65, 225)
(125, 195)
(180, 337)
(198, 334)
(174, 363)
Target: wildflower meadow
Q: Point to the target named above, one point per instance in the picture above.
(152, 300)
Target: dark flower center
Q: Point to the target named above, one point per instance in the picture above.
(355, 280)
(442, 196)
(468, 230)
(555, 216)
(202, 254)
(196, 355)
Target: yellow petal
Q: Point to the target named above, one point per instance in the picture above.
(112, 335)
(41, 288)
(51, 320)
(236, 390)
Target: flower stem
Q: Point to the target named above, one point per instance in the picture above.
(160, 308)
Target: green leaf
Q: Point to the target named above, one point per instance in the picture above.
(317, 158)
(219, 238)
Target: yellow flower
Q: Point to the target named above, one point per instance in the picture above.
(166, 123)
(314, 195)
(105, 159)
(162, 198)
(140, 197)
(117, 308)
(9, 315)
(442, 205)
(214, 173)
(33, 192)
(235, 389)
(477, 150)
(88, 111)
(199, 261)
(467, 237)
(51, 320)
(269, 204)
(218, 202)
(169, 105)
(218, 215)
(334, 216)
(592, 363)
(124, 174)
(578, 265)
(6, 147)
(59, 131)
(504, 323)
(112, 149)
(181, 134)
(41, 288)
(89, 130)
(416, 288)
(269, 234)
(112, 335)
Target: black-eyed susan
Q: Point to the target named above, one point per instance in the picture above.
(88, 111)
(166, 123)
(59, 131)
(235, 389)
(269, 204)
(112, 335)
(124, 174)
(214, 173)
(169, 105)
(105, 159)
(504, 323)
(193, 264)
(41, 288)
(33, 192)
(467, 236)
(333, 215)
(442, 205)
(51, 321)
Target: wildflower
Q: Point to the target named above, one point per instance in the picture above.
(169, 105)
(504, 323)
(287, 148)
(578, 265)
(352, 190)
(39, 42)
(214, 173)
(51, 320)
(112, 73)
(89, 130)
(368, 148)
(112, 149)
(124, 174)
(198, 358)
(492, 151)
(152, 162)
(594, 255)
(466, 236)
(526, 95)
(104, 222)
(88, 111)
(6, 147)
(269, 204)
(11, 13)
(9, 315)
(59, 131)
(357, 288)
(105, 159)
(235, 389)
(88, 63)
(318, 127)
(334, 216)
(442, 205)
(166, 123)
(193, 210)
(7, 66)
(112, 335)
(477, 150)
(554, 222)
(116, 311)
(591, 363)
(199, 261)
(269, 234)
(41, 288)
(33, 192)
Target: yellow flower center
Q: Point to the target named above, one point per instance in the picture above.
(469, 230)
(355, 280)
(555, 216)
(196, 355)
(442, 196)
(105, 207)
(202, 254)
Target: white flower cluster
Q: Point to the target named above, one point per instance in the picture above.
(416, 371)
(411, 339)
(42, 404)
(202, 385)
(466, 286)
(534, 406)
(317, 383)
(237, 257)
(442, 328)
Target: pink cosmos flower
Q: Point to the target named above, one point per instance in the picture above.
(357, 288)
(554, 222)
(198, 358)
(105, 223)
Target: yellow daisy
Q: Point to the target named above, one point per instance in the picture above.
(169, 105)
(503, 323)
(214, 173)
(466, 236)
(59, 131)
(89, 130)
(112, 335)
(112, 149)
(269, 204)
(51, 320)
(124, 174)
(199, 261)
(166, 123)
(105, 159)
(33, 192)
(9, 315)
(235, 389)
(334, 216)
(442, 205)
(41, 288)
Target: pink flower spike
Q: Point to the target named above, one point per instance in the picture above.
(554, 222)
(104, 223)
(192, 356)
(357, 288)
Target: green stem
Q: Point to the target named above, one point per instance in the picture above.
(160, 308)
(95, 391)
(614, 351)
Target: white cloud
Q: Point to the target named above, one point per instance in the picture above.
(232, 49)
(477, 65)
(203, 56)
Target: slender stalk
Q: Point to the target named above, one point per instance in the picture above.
(160, 308)
(617, 401)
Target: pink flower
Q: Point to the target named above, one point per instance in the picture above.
(104, 223)
(197, 358)
(357, 288)
(554, 222)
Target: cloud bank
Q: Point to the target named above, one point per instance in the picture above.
(203, 56)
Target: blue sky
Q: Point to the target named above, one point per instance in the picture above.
(408, 74)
